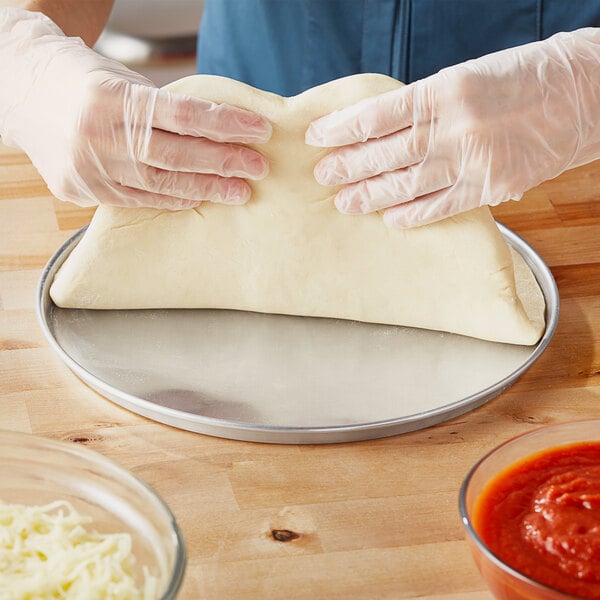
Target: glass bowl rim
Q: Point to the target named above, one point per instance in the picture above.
(175, 577)
(466, 520)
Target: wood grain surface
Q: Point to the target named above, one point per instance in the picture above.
(369, 520)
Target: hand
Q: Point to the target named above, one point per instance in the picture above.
(478, 133)
(100, 133)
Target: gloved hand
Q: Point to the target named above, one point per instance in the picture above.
(477, 133)
(100, 133)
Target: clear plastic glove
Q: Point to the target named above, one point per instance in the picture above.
(100, 133)
(478, 133)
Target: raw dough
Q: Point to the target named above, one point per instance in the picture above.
(290, 251)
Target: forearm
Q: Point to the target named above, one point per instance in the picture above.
(582, 82)
(80, 18)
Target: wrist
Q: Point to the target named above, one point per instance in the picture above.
(580, 51)
(44, 73)
(20, 33)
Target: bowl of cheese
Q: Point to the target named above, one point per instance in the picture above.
(74, 524)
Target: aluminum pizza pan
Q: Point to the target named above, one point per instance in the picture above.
(285, 379)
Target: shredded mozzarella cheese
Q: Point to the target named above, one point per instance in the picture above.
(46, 552)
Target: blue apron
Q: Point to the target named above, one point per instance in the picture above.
(287, 46)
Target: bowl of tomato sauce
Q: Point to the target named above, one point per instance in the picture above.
(531, 510)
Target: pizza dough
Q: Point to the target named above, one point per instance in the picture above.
(288, 250)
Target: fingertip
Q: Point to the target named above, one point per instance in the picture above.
(252, 126)
(237, 192)
(259, 168)
(346, 203)
(322, 173)
(264, 130)
(400, 217)
(185, 205)
(354, 199)
(315, 135)
(340, 203)
(234, 201)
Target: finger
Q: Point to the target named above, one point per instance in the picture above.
(219, 122)
(424, 210)
(174, 152)
(134, 198)
(112, 193)
(370, 118)
(187, 186)
(389, 189)
(371, 158)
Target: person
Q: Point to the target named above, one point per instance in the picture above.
(488, 113)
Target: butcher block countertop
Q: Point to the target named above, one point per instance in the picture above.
(372, 520)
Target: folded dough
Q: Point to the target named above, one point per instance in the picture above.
(290, 251)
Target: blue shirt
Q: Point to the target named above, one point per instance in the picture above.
(287, 46)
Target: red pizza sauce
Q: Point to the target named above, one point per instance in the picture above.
(541, 516)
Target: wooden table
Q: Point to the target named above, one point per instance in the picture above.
(373, 519)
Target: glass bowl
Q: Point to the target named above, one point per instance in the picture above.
(505, 582)
(37, 471)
